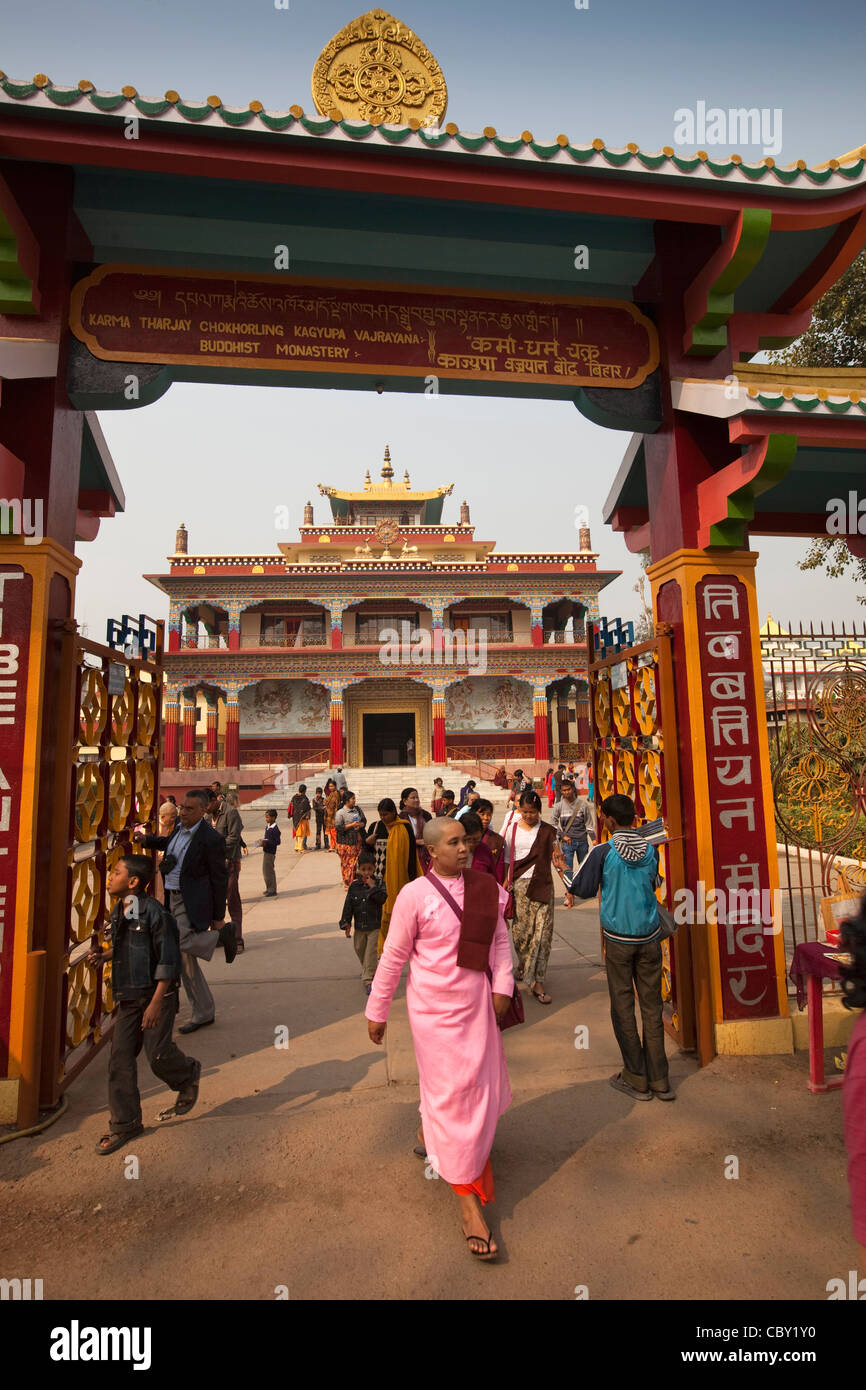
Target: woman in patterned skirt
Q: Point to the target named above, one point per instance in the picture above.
(530, 849)
(350, 821)
(332, 806)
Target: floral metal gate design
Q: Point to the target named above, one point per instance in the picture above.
(634, 753)
(815, 687)
(115, 780)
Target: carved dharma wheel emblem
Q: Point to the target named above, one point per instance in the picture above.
(377, 70)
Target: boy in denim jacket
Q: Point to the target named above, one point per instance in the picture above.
(145, 956)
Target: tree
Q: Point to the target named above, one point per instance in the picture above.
(644, 627)
(836, 337)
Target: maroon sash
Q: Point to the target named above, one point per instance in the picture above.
(474, 950)
(477, 918)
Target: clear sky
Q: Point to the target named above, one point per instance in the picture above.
(223, 458)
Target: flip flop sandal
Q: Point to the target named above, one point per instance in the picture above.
(620, 1084)
(184, 1107)
(487, 1254)
(110, 1143)
(542, 997)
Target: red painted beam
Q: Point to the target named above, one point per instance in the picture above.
(845, 243)
(363, 169)
(808, 524)
(830, 431)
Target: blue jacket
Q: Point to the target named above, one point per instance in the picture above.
(629, 908)
(145, 947)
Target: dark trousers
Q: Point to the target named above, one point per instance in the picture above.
(644, 1063)
(167, 1062)
(320, 829)
(233, 899)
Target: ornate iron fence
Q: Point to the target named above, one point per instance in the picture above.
(815, 689)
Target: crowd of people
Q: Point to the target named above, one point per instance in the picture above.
(469, 908)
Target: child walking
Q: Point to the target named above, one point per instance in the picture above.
(272, 838)
(145, 956)
(364, 902)
(626, 869)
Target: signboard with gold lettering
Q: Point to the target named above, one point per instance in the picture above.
(744, 912)
(124, 314)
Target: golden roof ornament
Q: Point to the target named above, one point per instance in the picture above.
(377, 70)
(387, 470)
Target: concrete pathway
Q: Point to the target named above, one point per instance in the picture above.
(296, 1167)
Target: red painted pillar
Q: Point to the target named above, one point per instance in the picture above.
(170, 755)
(336, 733)
(189, 720)
(439, 753)
(173, 639)
(234, 641)
(211, 760)
(336, 636)
(233, 732)
(537, 634)
(539, 710)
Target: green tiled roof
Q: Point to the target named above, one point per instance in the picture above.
(597, 155)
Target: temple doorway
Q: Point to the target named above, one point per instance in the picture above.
(389, 740)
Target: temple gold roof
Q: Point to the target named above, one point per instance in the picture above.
(386, 491)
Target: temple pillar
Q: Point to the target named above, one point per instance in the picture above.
(336, 733)
(709, 601)
(233, 731)
(539, 713)
(439, 753)
(190, 711)
(175, 621)
(336, 610)
(536, 618)
(211, 758)
(233, 609)
(170, 757)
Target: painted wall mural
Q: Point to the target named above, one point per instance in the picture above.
(284, 707)
(488, 702)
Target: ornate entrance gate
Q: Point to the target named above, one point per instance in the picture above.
(634, 753)
(115, 780)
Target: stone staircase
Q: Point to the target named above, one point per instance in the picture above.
(371, 784)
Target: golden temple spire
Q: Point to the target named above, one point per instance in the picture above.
(367, 481)
(387, 470)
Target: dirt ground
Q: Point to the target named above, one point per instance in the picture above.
(295, 1170)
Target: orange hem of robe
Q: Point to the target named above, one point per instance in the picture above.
(482, 1187)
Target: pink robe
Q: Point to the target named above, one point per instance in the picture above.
(458, 1045)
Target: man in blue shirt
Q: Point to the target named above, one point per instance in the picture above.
(625, 868)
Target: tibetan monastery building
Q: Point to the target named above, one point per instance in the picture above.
(384, 637)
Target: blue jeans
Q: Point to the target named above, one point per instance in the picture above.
(568, 848)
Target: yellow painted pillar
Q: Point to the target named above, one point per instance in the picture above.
(37, 732)
(731, 864)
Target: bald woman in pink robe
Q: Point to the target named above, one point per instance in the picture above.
(452, 1014)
